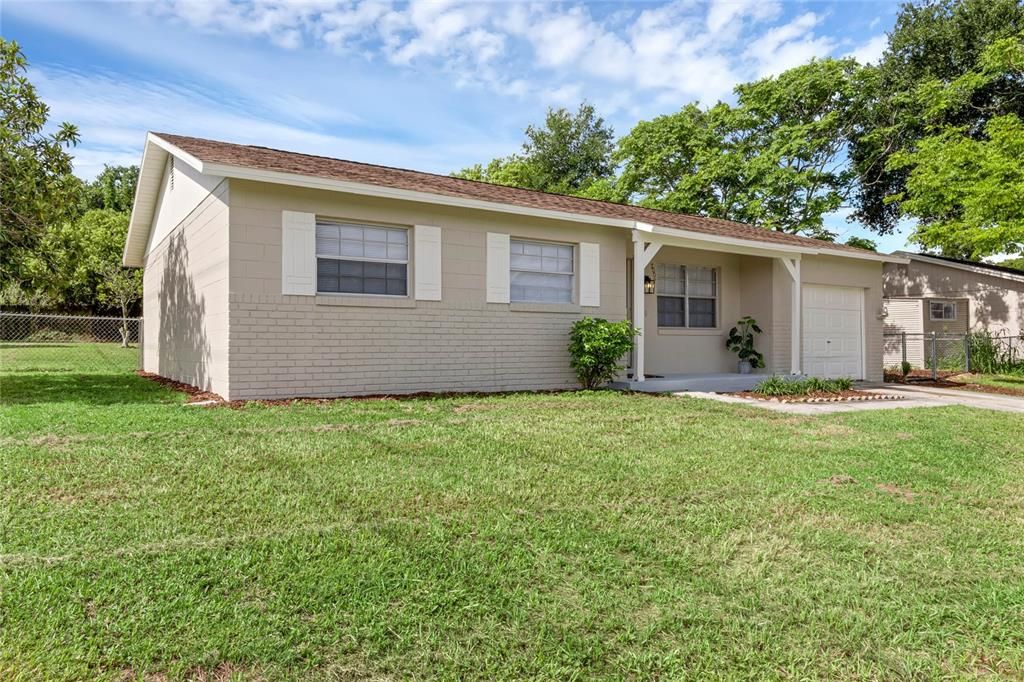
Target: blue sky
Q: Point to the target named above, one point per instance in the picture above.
(434, 85)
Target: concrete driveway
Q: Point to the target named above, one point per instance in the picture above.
(912, 396)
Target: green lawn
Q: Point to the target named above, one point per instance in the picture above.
(68, 357)
(546, 536)
(1012, 381)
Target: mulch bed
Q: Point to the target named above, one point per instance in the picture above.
(194, 393)
(819, 397)
(924, 378)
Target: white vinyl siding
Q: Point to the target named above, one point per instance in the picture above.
(541, 272)
(942, 311)
(687, 296)
(361, 259)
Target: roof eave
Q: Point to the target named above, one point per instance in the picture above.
(976, 269)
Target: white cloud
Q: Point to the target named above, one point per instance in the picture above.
(789, 45)
(871, 51)
(725, 14)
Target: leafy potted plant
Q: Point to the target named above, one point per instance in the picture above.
(741, 342)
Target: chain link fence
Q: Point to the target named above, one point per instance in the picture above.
(69, 343)
(952, 353)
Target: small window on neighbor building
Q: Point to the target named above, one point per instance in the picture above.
(943, 311)
(361, 259)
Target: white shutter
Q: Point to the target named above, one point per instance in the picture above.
(298, 253)
(590, 275)
(497, 267)
(427, 262)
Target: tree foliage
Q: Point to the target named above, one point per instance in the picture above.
(566, 155)
(113, 188)
(862, 243)
(934, 41)
(775, 159)
(76, 260)
(38, 187)
(966, 187)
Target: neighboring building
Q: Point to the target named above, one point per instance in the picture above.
(273, 274)
(947, 296)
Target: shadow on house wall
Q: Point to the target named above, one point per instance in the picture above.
(184, 351)
(990, 298)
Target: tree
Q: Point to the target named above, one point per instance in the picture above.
(862, 243)
(776, 159)
(566, 155)
(121, 287)
(74, 259)
(38, 187)
(966, 187)
(113, 188)
(938, 41)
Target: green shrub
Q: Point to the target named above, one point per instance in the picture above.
(782, 386)
(596, 346)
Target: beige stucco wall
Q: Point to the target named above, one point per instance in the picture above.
(994, 303)
(334, 345)
(185, 298)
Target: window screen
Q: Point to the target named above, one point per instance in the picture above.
(540, 272)
(361, 259)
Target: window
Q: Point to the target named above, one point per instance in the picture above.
(942, 310)
(540, 272)
(687, 296)
(361, 259)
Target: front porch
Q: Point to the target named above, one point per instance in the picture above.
(708, 383)
(685, 293)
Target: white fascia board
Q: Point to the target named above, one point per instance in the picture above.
(673, 236)
(314, 182)
(154, 157)
(960, 266)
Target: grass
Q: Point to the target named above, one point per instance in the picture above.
(559, 536)
(1011, 381)
(103, 358)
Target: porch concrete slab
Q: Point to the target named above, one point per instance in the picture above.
(912, 397)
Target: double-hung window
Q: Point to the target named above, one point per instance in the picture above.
(942, 310)
(687, 296)
(361, 259)
(541, 272)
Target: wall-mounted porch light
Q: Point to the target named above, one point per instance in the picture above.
(648, 284)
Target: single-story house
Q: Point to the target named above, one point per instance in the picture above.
(949, 297)
(272, 274)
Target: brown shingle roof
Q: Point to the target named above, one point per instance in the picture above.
(264, 158)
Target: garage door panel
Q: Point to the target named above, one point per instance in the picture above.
(832, 336)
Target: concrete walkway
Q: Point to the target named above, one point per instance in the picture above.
(913, 396)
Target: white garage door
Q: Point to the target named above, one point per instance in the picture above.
(832, 320)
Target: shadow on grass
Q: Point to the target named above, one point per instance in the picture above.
(89, 389)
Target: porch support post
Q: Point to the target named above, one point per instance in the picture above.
(792, 266)
(643, 254)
